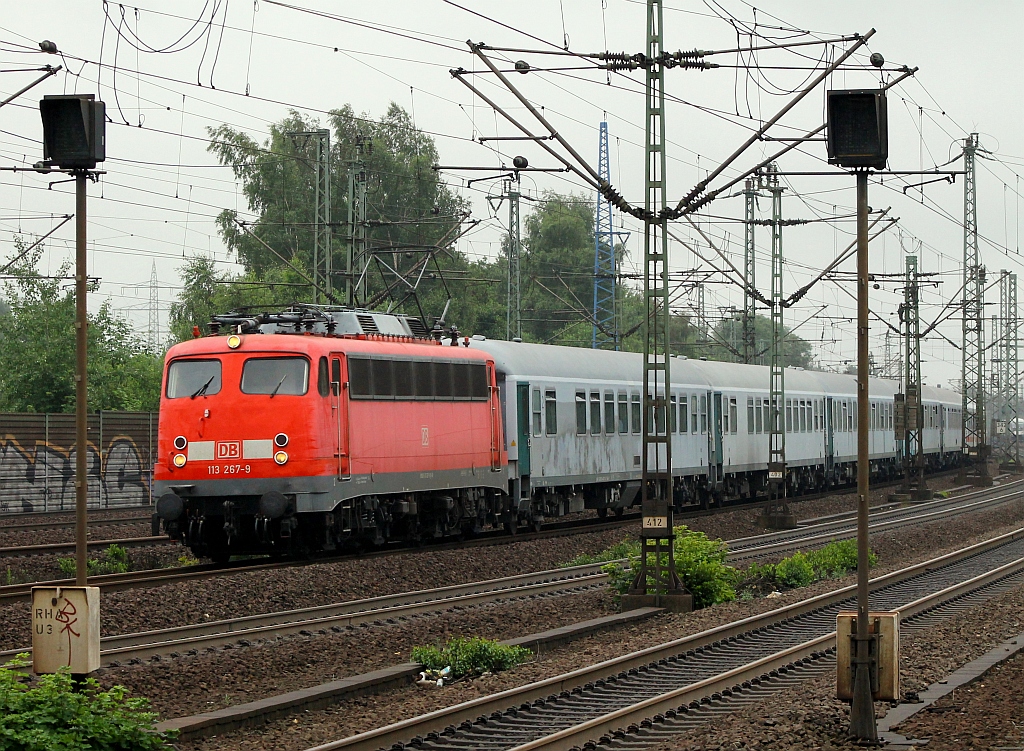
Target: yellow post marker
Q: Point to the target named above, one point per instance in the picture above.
(65, 629)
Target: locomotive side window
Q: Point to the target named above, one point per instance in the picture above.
(405, 385)
(479, 383)
(193, 378)
(443, 386)
(581, 413)
(550, 412)
(323, 382)
(275, 375)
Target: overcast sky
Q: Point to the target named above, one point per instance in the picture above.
(162, 190)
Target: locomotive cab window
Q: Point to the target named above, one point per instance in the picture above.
(193, 378)
(275, 375)
(323, 381)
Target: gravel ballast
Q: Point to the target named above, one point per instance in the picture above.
(356, 715)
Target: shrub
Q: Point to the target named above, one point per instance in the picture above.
(470, 656)
(836, 559)
(794, 571)
(114, 561)
(700, 564)
(50, 714)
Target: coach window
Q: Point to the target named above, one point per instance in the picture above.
(193, 378)
(536, 411)
(766, 416)
(733, 415)
(634, 412)
(581, 412)
(750, 415)
(789, 415)
(595, 413)
(550, 412)
(609, 412)
(683, 427)
(725, 415)
(623, 412)
(815, 407)
(323, 380)
(703, 414)
(659, 415)
(276, 375)
(758, 416)
(693, 414)
(672, 424)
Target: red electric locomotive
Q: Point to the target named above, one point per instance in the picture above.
(309, 429)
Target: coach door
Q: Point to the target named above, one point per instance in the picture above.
(339, 398)
(523, 437)
(829, 444)
(715, 437)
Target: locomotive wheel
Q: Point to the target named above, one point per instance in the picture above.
(220, 557)
(512, 527)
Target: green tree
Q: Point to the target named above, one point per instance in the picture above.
(727, 341)
(37, 348)
(410, 211)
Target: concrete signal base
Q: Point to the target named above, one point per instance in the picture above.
(777, 521)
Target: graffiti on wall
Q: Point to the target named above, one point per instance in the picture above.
(43, 478)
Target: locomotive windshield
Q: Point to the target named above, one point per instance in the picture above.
(276, 375)
(193, 378)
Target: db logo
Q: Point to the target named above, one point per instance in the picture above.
(229, 449)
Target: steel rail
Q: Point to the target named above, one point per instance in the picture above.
(69, 547)
(70, 524)
(813, 649)
(472, 710)
(339, 615)
(71, 512)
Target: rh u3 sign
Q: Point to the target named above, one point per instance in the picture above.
(65, 629)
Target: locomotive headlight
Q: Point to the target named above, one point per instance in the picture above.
(179, 460)
(234, 341)
(281, 440)
(180, 442)
(281, 457)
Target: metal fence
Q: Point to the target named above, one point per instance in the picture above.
(37, 460)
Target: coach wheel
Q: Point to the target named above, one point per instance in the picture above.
(512, 526)
(620, 511)
(536, 524)
(602, 513)
(220, 557)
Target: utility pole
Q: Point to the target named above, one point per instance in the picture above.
(356, 266)
(322, 271)
(973, 431)
(776, 513)
(606, 331)
(513, 313)
(913, 456)
(657, 562)
(1009, 373)
(154, 310)
(749, 307)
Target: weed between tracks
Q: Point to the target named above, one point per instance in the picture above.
(701, 565)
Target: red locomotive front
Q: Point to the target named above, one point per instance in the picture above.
(304, 440)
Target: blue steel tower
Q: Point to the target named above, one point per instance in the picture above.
(606, 332)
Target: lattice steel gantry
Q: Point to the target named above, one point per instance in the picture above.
(776, 513)
(513, 315)
(322, 266)
(973, 431)
(606, 330)
(749, 345)
(913, 411)
(1005, 441)
(657, 577)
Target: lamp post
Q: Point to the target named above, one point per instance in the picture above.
(858, 139)
(74, 139)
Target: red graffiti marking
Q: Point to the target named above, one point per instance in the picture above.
(64, 615)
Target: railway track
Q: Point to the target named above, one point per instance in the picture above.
(774, 543)
(58, 548)
(70, 514)
(70, 524)
(169, 641)
(172, 641)
(616, 703)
